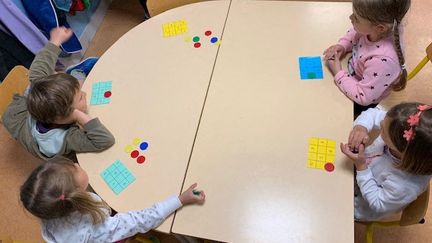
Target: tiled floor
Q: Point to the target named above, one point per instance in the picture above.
(123, 15)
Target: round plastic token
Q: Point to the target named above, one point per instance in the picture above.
(128, 148)
(208, 32)
(197, 45)
(143, 145)
(213, 39)
(107, 94)
(134, 154)
(329, 167)
(140, 159)
(196, 39)
(136, 141)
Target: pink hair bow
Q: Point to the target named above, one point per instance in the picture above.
(413, 121)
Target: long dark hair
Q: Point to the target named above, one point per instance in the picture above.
(416, 153)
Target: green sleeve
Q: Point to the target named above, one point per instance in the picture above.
(44, 63)
(92, 138)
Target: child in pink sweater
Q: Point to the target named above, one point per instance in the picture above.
(377, 64)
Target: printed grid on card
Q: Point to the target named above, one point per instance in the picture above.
(117, 176)
(310, 68)
(174, 28)
(321, 151)
(98, 93)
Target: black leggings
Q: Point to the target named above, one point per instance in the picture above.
(359, 108)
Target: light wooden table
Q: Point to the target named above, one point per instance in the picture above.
(159, 86)
(248, 147)
(252, 143)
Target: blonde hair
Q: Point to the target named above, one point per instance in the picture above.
(416, 153)
(387, 12)
(52, 97)
(50, 192)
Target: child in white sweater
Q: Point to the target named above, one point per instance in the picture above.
(397, 167)
(56, 193)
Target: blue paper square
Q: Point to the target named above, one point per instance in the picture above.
(310, 68)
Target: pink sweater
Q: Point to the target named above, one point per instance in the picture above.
(376, 66)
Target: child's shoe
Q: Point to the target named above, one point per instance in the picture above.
(85, 66)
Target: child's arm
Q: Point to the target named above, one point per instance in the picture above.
(93, 137)
(378, 75)
(365, 122)
(370, 119)
(390, 196)
(348, 40)
(343, 46)
(44, 63)
(124, 225)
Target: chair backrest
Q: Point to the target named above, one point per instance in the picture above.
(422, 63)
(416, 210)
(156, 7)
(15, 83)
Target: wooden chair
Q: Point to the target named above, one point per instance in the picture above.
(413, 214)
(422, 63)
(15, 83)
(156, 7)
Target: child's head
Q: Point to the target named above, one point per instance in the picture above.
(57, 189)
(53, 99)
(407, 130)
(383, 16)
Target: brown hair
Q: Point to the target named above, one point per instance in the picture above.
(52, 97)
(387, 12)
(50, 192)
(416, 153)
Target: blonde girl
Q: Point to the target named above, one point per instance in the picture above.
(56, 193)
(377, 64)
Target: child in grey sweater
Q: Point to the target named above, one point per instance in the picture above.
(50, 121)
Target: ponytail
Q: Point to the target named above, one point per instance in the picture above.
(401, 84)
(387, 12)
(83, 202)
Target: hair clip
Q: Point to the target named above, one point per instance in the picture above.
(413, 120)
(62, 197)
(423, 107)
(403, 66)
(395, 24)
(408, 134)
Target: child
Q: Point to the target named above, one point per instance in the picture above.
(377, 64)
(56, 193)
(397, 167)
(47, 120)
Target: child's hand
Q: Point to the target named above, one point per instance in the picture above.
(334, 64)
(358, 135)
(76, 116)
(359, 158)
(60, 35)
(333, 51)
(189, 197)
(80, 117)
